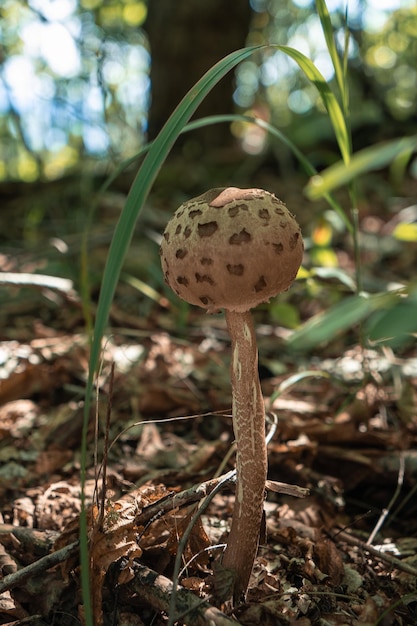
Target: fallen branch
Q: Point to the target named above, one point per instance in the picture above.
(156, 590)
(36, 568)
(148, 513)
(198, 492)
(39, 281)
(381, 556)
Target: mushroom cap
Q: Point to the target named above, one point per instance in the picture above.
(231, 248)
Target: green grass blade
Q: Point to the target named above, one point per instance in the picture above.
(345, 93)
(305, 163)
(329, 100)
(144, 180)
(327, 27)
(139, 191)
(236, 117)
(292, 380)
(365, 160)
(272, 130)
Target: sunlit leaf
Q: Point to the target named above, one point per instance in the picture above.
(327, 27)
(324, 257)
(405, 232)
(365, 160)
(322, 234)
(329, 273)
(329, 100)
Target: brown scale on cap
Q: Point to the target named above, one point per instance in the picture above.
(233, 249)
(245, 242)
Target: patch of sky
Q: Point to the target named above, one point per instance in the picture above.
(299, 101)
(96, 139)
(93, 101)
(21, 81)
(4, 98)
(54, 10)
(275, 68)
(55, 138)
(135, 93)
(54, 44)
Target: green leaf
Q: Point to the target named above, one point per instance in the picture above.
(405, 232)
(342, 316)
(395, 326)
(335, 273)
(156, 155)
(327, 27)
(235, 117)
(365, 160)
(284, 313)
(304, 162)
(329, 100)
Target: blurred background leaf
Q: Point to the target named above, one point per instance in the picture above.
(87, 80)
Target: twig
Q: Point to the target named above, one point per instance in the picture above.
(162, 506)
(39, 566)
(173, 501)
(394, 498)
(173, 606)
(184, 498)
(39, 281)
(286, 489)
(381, 556)
(157, 589)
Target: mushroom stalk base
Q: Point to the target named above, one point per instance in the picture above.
(251, 458)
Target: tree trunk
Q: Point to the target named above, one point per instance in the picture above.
(186, 38)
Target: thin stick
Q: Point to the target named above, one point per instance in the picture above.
(157, 590)
(381, 556)
(183, 542)
(394, 498)
(162, 506)
(106, 447)
(39, 566)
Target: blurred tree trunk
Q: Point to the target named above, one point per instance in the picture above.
(186, 38)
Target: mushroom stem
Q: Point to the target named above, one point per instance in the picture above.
(251, 459)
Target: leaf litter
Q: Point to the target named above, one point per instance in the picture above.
(346, 429)
(341, 440)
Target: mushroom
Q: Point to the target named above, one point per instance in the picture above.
(233, 249)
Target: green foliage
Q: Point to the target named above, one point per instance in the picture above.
(391, 317)
(395, 325)
(380, 309)
(366, 160)
(341, 317)
(390, 57)
(73, 85)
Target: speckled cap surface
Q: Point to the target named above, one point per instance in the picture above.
(231, 248)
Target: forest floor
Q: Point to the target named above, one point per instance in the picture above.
(342, 424)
